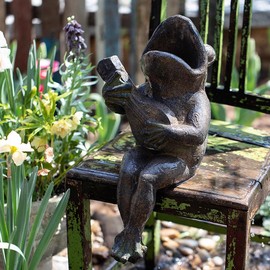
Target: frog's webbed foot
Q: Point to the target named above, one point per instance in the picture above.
(128, 247)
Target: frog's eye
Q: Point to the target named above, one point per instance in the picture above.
(211, 55)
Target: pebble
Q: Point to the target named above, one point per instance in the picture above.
(210, 264)
(179, 227)
(169, 253)
(186, 251)
(196, 261)
(204, 255)
(99, 239)
(207, 243)
(95, 227)
(218, 261)
(170, 233)
(100, 253)
(197, 233)
(170, 244)
(191, 243)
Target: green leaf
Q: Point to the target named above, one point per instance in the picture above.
(49, 231)
(3, 225)
(30, 72)
(38, 220)
(245, 117)
(21, 223)
(36, 131)
(8, 246)
(66, 94)
(13, 50)
(262, 89)
(163, 14)
(10, 90)
(218, 111)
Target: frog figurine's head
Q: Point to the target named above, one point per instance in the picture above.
(175, 59)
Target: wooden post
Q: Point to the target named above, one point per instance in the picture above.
(173, 7)
(2, 15)
(50, 21)
(140, 28)
(238, 238)
(107, 31)
(176, 7)
(22, 10)
(108, 28)
(78, 228)
(182, 7)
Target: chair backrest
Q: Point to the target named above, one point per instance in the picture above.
(219, 89)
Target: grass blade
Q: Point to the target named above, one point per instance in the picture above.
(50, 230)
(37, 222)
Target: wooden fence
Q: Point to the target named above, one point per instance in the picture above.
(107, 32)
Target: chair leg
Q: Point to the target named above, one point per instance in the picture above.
(153, 242)
(238, 237)
(78, 228)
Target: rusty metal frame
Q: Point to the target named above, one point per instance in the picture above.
(223, 93)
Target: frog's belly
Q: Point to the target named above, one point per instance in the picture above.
(140, 110)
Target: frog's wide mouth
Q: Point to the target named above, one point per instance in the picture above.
(178, 36)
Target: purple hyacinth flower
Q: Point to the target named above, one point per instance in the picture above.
(74, 39)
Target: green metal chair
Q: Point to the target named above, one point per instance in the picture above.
(231, 183)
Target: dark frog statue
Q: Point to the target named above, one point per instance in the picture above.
(169, 117)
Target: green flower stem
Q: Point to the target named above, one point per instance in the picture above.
(65, 151)
(70, 97)
(3, 225)
(10, 90)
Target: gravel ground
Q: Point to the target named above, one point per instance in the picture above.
(182, 247)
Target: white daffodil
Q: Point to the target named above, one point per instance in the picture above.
(3, 42)
(13, 145)
(4, 54)
(4, 59)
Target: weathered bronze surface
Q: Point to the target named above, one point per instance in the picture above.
(169, 116)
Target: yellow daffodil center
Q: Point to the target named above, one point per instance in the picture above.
(13, 149)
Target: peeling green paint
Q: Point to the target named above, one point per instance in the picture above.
(173, 204)
(108, 157)
(216, 141)
(101, 165)
(213, 215)
(258, 154)
(125, 142)
(230, 255)
(75, 238)
(243, 134)
(218, 42)
(204, 19)
(222, 145)
(234, 214)
(87, 226)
